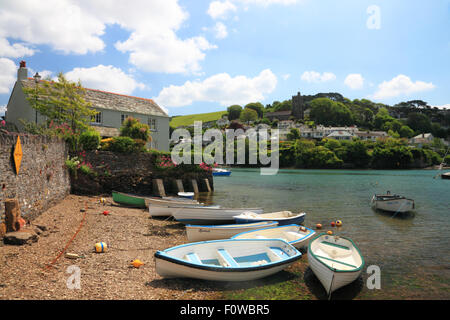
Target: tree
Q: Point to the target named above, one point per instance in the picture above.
(234, 112)
(330, 113)
(419, 122)
(132, 128)
(293, 134)
(258, 107)
(61, 102)
(406, 132)
(248, 115)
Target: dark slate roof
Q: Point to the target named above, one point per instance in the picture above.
(278, 113)
(115, 101)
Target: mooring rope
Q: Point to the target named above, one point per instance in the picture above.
(48, 266)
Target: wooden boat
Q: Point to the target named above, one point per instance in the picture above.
(166, 209)
(129, 199)
(336, 261)
(208, 214)
(187, 195)
(221, 172)
(296, 235)
(282, 217)
(226, 260)
(215, 232)
(392, 203)
(445, 175)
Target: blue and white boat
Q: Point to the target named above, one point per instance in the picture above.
(226, 260)
(296, 235)
(187, 195)
(221, 172)
(207, 214)
(196, 233)
(282, 217)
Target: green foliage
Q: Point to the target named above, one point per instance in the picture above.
(293, 134)
(123, 145)
(419, 122)
(132, 128)
(258, 107)
(90, 139)
(248, 115)
(406, 132)
(234, 112)
(330, 113)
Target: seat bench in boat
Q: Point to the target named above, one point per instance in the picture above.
(340, 262)
(226, 259)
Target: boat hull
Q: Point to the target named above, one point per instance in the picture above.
(129, 200)
(222, 173)
(202, 233)
(239, 262)
(282, 221)
(334, 274)
(393, 205)
(294, 234)
(209, 215)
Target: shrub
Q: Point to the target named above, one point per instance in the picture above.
(121, 144)
(134, 129)
(90, 139)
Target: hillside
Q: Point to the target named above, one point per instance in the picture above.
(187, 120)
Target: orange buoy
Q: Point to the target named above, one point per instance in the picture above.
(137, 263)
(100, 247)
(318, 226)
(105, 213)
(333, 223)
(338, 223)
(330, 232)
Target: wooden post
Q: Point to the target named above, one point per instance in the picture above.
(195, 185)
(158, 186)
(208, 187)
(179, 185)
(12, 215)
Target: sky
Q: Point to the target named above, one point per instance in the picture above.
(205, 55)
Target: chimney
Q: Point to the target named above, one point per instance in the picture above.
(22, 73)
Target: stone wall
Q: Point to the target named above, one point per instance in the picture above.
(131, 173)
(43, 179)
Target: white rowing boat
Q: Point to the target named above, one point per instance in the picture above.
(336, 261)
(159, 207)
(296, 235)
(214, 232)
(392, 203)
(282, 217)
(208, 214)
(226, 260)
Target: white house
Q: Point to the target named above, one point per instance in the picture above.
(112, 109)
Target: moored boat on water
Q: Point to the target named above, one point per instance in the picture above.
(226, 260)
(336, 261)
(446, 176)
(221, 172)
(282, 217)
(295, 235)
(215, 232)
(392, 203)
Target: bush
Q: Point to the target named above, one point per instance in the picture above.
(90, 139)
(122, 145)
(134, 129)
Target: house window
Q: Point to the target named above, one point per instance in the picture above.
(152, 124)
(123, 117)
(97, 118)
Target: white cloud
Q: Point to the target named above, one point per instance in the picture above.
(444, 106)
(16, 50)
(220, 9)
(286, 76)
(107, 78)
(76, 26)
(314, 76)
(220, 30)
(8, 75)
(220, 88)
(354, 81)
(400, 85)
(2, 109)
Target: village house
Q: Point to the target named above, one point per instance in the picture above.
(422, 139)
(112, 109)
(371, 135)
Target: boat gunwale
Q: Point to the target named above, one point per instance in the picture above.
(230, 226)
(162, 254)
(327, 266)
(259, 218)
(311, 232)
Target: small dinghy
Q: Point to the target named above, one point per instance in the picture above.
(208, 214)
(221, 172)
(295, 235)
(282, 217)
(164, 208)
(215, 232)
(226, 260)
(136, 201)
(392, 203)
(336, 261)
(187, 195)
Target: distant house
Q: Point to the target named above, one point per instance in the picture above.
(278, 115)
(340, 135)
(371, 135)
(112, 109)
(421, 139)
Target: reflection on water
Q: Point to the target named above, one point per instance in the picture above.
(395, 243)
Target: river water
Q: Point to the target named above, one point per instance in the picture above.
(415, 243)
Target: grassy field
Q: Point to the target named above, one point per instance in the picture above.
(189, 119)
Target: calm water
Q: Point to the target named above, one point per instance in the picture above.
(411, 243)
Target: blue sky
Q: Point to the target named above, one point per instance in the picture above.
(202, 56)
